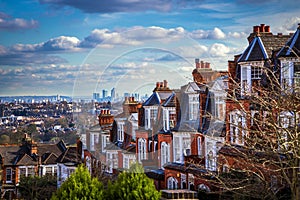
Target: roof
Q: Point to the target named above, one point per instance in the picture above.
(255, 51)
(70, 155)
(292, 47)
(157, 98)
(154, 99)
(170, 101)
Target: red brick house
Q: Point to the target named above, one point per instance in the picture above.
(247, 111)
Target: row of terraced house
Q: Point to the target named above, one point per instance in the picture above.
(184, 137)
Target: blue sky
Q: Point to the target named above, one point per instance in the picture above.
(83, 46)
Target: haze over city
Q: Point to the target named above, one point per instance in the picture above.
(71, 48)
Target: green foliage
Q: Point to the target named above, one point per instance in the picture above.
(80, 185)
(133, 184)
(35, 187)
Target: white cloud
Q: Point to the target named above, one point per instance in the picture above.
(216, 33)
(218, 49)
(237, 35)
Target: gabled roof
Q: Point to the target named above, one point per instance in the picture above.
(292, 47)
(26, 160)
(154, 99)
(255, 51)
(190, 87)
(70, 155)
(170, 101)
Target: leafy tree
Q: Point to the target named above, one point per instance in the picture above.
(80, 185)
(133, 184)
(35, 187)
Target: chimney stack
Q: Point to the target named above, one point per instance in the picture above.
(256, 29)
(267, 29)
(165, 83)
(207, 65)
(197, 63)
(262, 28)
(202, 64)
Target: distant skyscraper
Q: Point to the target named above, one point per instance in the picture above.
(104, 93)
(126, 94)
(96, 96)
(113, 94)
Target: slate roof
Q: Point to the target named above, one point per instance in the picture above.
(70, 155)
(254, 52)
(157, 98)
(170, 101)
(292, 47)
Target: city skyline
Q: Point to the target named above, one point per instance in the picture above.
(74, 48)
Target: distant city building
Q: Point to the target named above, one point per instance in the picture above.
(104, 93)
(96, 96)
(126, 94)
(113, 94)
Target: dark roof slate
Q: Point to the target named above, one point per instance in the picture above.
(292, 47)
(254, 52)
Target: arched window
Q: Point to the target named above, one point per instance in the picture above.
(203, 187)
(142, 149)
(172, 183)
(165, 153)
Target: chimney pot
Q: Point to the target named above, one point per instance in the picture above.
(255, 29)
(267, 29)
(207, 65)
(165, 83)
(262, 28)
(197, 63)
(202, 64)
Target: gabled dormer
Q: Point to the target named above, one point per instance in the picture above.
(289, 56)
(251, 64)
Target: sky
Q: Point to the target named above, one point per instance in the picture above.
(79, 47)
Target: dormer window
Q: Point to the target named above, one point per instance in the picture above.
(150, 116)
(290, 76)
(193, 106)
(121, 131)
(169, 118)
(249, 73)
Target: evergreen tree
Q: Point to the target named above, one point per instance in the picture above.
(133, 184)
(80, 185)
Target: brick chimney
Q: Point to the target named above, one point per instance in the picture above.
(197, 63)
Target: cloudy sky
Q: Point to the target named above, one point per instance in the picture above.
(79, 47)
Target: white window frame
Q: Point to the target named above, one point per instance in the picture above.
(111, 160)
(183, 180)
(181, 147)
(150, 116)
(246, 80)
(199, 145)
(193, 106)
(172, 183)
(238, 126)
(105, 142)
(191, 181)
(165, 153)
(9, 174)
(120, 125)
(220, 107)
(142, 149)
